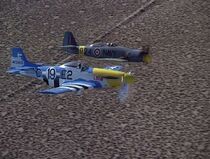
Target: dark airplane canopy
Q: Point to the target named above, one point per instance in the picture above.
(103, 45)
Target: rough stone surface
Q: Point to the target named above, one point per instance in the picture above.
(167, 114)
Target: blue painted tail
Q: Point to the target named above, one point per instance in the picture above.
(19, 59)
(20, 64)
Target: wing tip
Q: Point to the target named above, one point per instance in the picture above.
(46, 92)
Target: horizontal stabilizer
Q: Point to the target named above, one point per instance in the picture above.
(70, 46)
(13, 71)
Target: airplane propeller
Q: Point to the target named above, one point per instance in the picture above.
(124, 90)
(123, 93)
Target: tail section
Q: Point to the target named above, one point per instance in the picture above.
(20, 64)
(70, 41)
(18, 58)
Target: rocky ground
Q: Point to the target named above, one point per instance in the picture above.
(167, 114)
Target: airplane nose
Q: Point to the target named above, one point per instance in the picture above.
(105, 72)
(147, 58)
(129, 78)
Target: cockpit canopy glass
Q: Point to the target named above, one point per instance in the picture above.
(77, 64)
(111, 44)
(72, 64)
(103, 44)
(84, 67)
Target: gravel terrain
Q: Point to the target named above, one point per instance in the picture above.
(167, 113)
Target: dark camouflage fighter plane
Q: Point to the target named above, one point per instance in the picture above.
(106, 51)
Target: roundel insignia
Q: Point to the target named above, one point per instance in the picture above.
(97, 52)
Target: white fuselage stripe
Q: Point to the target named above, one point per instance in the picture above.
(80, 84)
(76, 86)
(73, 89)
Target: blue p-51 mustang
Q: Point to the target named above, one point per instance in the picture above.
(73, 76)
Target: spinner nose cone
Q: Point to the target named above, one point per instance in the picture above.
(129, 78)
(147, 58)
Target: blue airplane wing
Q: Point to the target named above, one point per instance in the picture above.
(19, 69)
(58, 90)
(74, 86)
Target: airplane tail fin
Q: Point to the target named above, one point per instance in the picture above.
(18, 59)
(70, 41)
(20, 65)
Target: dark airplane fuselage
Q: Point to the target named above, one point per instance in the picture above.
(124, 53)
(105, 50)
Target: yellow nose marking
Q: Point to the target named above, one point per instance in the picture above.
(104, 72)
(121, 76)
(147, 58)
(81, 50)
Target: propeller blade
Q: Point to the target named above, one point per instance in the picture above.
(123, 93)
(145, 48)
(122, 79)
